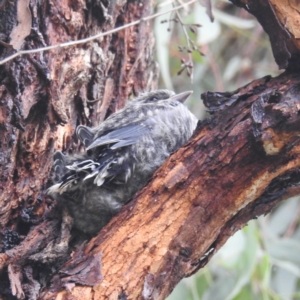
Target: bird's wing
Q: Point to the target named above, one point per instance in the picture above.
(59, 165)
(103, 168)
(124, 136)
(132, 113)
(85, 134)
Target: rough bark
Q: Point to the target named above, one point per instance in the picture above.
(45, 96)
(241, 162)
(280, 20)
(239, 165)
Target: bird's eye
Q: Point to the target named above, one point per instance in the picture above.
(153, 98)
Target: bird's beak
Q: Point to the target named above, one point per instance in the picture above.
(182, 96)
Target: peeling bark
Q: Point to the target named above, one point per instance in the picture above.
(239, 165)
(241, 162)
(44, 96)
(70, 86)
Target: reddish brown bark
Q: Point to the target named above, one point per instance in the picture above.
(44, 96)
(79, 84)
(236, 168)
(280, 20)
(240, 164)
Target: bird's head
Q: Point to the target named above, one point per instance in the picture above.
(161, 95)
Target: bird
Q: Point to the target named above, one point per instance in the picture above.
(121, 154)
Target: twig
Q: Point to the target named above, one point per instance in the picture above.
(72, 43)
(190, 62)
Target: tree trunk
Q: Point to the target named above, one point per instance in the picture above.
(240, 163)
(44, 96)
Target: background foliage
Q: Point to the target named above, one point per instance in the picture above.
(262, 261)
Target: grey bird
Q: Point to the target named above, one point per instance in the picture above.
(121, 155)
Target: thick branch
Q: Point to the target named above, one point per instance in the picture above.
(240, 164)
(279, 19)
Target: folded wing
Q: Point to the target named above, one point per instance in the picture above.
(121, 137)
(104, 164)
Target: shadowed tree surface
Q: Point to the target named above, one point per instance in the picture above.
(240, 163)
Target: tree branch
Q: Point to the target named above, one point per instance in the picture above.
(239, 165)
(94, 37)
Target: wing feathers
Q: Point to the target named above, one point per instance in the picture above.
(85, 134)
(101, 167)
(121, 137)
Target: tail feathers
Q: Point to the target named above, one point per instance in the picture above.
(82, 166)
(54, 189)
(110, 167)
(101, 176)
(80, 172)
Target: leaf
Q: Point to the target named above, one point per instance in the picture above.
(209, 31)
(208, 6)
(162, 41)
(284, 249)
(285, 283)
(230, 20)
(221, 287)
(247, 260)
(180, 292)
(280, 219)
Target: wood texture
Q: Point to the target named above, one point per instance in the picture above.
(239, 165)
(280, 20)
(45, 96)
(241, 162)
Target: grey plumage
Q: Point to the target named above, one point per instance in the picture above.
(121, 155)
